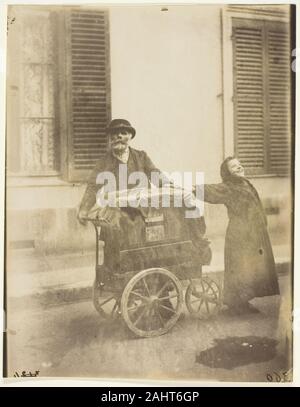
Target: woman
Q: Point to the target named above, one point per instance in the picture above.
(249, 261)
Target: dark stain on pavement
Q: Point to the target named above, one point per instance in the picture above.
(236, 351)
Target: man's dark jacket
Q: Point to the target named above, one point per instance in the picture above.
(137, 161)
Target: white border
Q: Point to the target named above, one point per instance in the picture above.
(62, 382)
(3, 20)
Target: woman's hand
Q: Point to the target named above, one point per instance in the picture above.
(81, 216)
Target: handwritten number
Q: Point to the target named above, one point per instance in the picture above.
(29, 374)
(277, 377)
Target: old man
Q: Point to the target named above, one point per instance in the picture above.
(120, 133)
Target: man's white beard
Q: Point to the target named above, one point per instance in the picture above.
(119, 146)
(121, 154)
(120, 149)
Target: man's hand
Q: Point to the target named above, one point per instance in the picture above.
(81, 217)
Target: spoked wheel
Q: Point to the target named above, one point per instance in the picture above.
(107, 307)
(203, 297)
(152, 302)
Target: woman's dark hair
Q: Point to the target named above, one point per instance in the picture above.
(224, 171)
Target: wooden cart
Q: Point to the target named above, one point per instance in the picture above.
(152, 255)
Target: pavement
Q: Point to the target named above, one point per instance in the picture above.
(71, 340)
(53, 328)
(34, 279)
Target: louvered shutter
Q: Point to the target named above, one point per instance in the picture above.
(249, 94)
(279, 98)
(261, 96)
(89, 89)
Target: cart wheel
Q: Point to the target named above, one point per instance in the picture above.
(203, 297)
(107, 307)
(152, 302)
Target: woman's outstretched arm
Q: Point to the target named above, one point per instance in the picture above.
(213, 193)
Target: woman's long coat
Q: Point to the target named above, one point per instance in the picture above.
(249, 261)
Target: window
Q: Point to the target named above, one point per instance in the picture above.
(58, 103)
(261, 80)
(33, 139)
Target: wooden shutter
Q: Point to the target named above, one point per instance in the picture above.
(249, 94)
(261, 95)
(89, 89)
(279, 67)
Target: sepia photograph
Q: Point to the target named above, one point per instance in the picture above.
(149, 192)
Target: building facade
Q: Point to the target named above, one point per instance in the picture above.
(198, 83)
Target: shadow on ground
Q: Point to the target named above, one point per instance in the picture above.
(232, 352)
